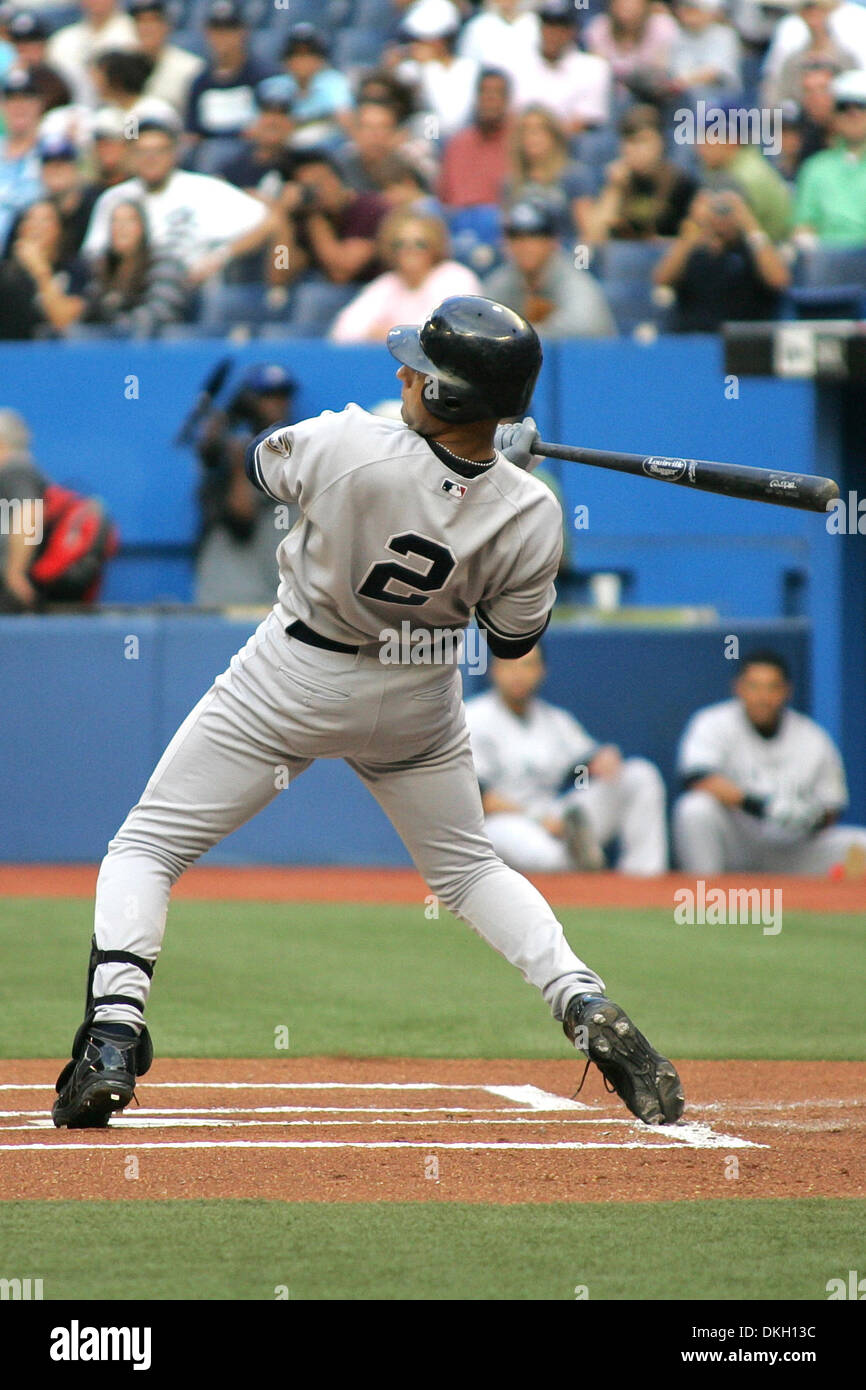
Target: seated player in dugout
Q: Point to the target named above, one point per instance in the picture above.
(554, 798)
(764, 784)
(428, 518)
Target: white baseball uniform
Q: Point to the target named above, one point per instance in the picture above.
(388, 532)
(538, 761)
(799, 761)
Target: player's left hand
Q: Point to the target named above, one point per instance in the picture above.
(516, 441)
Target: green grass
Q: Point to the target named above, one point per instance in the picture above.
(247, 1249)
(362, 980)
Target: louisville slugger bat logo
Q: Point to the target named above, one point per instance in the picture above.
(671, 470)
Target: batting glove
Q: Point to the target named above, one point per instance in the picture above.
(516, 441)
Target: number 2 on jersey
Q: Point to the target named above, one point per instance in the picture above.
(385, 573)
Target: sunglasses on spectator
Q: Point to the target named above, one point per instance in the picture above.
(851, 106)
(410, 244)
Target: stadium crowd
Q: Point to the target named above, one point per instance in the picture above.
(330, 167)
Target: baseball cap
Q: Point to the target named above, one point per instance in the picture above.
(275, 93)
(708, 6)
(108, 123)
(224, 14)
(19, 82)
(561, 12)
(135, 7)
(25, 25)
(431, 19)
(304, 36)
(152, 113)
(530, 217)
(57, 147)
(269, 378)
(850, 87)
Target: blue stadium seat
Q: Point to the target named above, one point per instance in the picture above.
(624, 270)
(192, 40)
(357, 48)
(377, 14)
(224, 307)
(829, 282)
(315, 304)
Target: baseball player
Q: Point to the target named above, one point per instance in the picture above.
(427, 519)
(553, 796)
(765, 784)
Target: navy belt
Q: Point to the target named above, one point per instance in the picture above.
(315, 639)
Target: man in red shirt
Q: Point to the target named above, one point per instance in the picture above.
(334, 227)
(475, 163)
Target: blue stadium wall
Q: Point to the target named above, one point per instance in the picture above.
(83, 724)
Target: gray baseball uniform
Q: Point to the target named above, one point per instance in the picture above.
(799, 763)
(388, 532)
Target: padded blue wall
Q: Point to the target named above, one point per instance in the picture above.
(84, 725)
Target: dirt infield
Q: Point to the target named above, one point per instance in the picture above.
(326, 1129)
(324, 883)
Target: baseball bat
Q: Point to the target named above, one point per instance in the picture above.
(211, 387)
(809, 493)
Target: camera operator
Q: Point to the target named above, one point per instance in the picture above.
(241, 527)
(722, 266)
(335, 228)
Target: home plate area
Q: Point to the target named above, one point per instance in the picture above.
(394, 1129)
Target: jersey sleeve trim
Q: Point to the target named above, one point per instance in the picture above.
(509, 648)
(252, 463)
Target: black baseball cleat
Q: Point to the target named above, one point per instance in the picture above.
(100, 1079)
(647, 1082)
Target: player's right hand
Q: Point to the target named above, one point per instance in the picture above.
(516, 441)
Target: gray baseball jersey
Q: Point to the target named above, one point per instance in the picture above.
(800, 759)
(388, 533)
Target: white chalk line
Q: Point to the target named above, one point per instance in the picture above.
(714, 1141)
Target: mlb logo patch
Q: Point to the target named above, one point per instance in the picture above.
(456, 490)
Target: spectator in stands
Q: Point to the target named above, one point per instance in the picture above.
(7, 52)
(635, 38)
(574, 86)
(552, 795)
(21, 110)
(444, 83)
(542, 167)
(729, 162)
(705, 57)
(722, 266)
(133, 290)
(335, 228)
(821, 47)
(236, 560)
(221, 102)
(203, 221)
(846, 24)
(65, 184)
(644, 194)
(475, 161)
(764, 784)
(542, 282)
(28, 32)
(420, 276)
(789, 157)
(831, 186)
(34, 273)
(265, 164)
(71, 49)
(174, 68)
(119, 78)
(381, 85)
(375, 137)
(321, 95)
(111, 152)
(819, 108)
(501, 35)
(404, 186)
